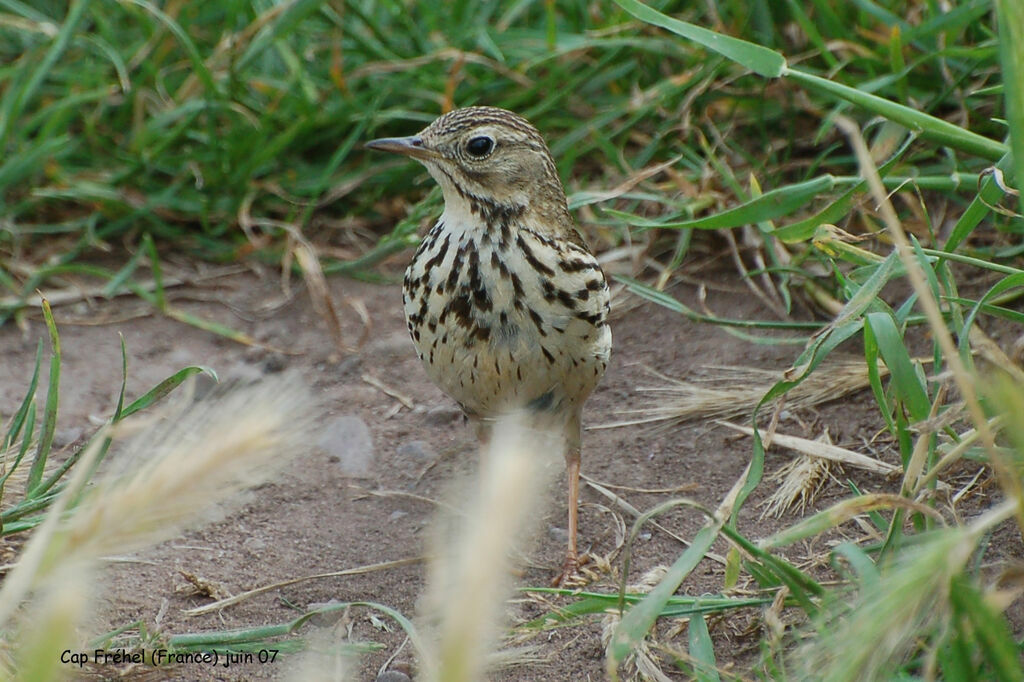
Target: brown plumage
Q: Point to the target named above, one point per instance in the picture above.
(507, 307)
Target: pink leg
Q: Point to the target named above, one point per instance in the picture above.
(572, 462)
(574, 501)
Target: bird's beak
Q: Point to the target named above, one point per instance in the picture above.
(407, 146)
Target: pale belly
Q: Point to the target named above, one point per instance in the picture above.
(524, 326)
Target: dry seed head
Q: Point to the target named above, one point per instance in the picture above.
(176, 469)
(468, 582)
(219, 446)
(734, 392)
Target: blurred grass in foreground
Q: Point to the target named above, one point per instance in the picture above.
(172, 469)
(833, 151)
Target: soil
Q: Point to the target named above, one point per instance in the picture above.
(321, 514)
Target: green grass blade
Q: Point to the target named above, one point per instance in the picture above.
(836, 210)
(982, 263)
(771, 64)
(989, 194)
(19, 417)
(871, 357)
(406, 624)
(285, 23)
(339, 155)
(164, 387)
(637, 622)
(1011, 53)
(867, 294)
(195, 57)
(27, 11)
(955, 659)
(151, 397)
(1015, 281)
(867, 571)
(773, 204)
(16, 167)
(587, 603)
(847, 323)
(23, 509)
(210, 326)
(49, 425)
(702, 651)
(30, 423)
(149, 246)
(998, 648)
(122, 276)
(672, 303)
(197, 641)
(928, 126)
(822, 343)
(16, 99)
(803, 587)
(124, 380)
(905, 379)
(760, 60)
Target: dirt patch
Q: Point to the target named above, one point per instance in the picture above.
(325, 511)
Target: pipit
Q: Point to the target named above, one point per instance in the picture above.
(506, 306)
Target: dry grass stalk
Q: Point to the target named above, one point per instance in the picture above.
(734, 392)
(468, 581)
(270, 587)
(825, 451)
(319, 292)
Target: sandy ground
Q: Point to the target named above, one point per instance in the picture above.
(362, 494)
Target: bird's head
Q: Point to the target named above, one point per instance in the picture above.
(489, 159)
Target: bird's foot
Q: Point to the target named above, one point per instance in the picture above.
(570, 576)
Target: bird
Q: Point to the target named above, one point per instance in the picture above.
(506, 305)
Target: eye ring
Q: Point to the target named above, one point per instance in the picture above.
(480, 146)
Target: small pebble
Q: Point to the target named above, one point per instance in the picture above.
(442, 414)
(348, 439)
(396, 345)
(274, 363)
(254, 545)
(67, 436)
(559, 534)
(393, 676)
(418, 450)
(346, 367)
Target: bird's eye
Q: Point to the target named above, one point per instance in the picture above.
(480, 146)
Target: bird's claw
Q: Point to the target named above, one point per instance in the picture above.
(570, 576)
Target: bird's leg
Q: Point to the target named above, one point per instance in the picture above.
(572, 465)
(483, 431)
